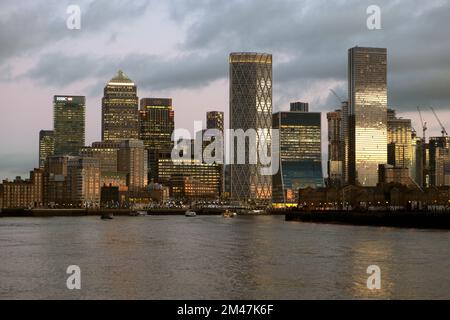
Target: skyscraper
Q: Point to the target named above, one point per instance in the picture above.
(399, 141)
(300, 154)
(69, 114)
(335, 149)
(120, 109)
(156, 124)
(439, 161)
(367, 114)
(46, 146)
(215, 120)
(251, 108)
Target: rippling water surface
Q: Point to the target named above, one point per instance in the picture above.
(216, 258)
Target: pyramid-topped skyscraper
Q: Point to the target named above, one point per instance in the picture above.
(120, 102)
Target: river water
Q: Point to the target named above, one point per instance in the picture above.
(216, 258)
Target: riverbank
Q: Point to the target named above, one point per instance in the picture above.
(43, 213)
(396, 219)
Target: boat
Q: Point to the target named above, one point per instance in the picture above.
(138, 214)
(107, 216)
(229, 214)
(190, 213)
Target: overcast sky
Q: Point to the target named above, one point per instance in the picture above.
(180, 48)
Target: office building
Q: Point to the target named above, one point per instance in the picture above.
(399, 141)
(335, 149)
(251, 108)
(83, 182)
(120, 120)
(132, 160)
(215, 120)
(193, 179)
(367, 114)
(157, 124)
(46, 146)
(300, 154)
(69, 113)
(439, 161)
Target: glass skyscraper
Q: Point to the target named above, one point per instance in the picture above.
(156, 125)
(251, 108)
(300, 154)
(367, 114)
(120, 119)
(46, 146)
(69, 114)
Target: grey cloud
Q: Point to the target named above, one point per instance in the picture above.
(33, 26)
(149, 71)
(317, 34)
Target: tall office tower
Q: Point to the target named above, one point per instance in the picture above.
(439, 167)
(367, 114)
(69, 113)
(300, 106)
(215, 120)
(132, 159)
(300, 154)
(399, 141)
(46, 146)
(417, 159)
(335, 149)
(157, 124)
(120, 119)
(345, 140)
(83, 181)
(251, 108)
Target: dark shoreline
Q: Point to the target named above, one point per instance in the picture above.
(47, 213)
(395, 219)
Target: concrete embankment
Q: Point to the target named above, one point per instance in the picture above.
(397, 219)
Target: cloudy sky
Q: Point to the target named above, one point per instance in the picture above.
(179, 49)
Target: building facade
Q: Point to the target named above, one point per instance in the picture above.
(367, 73)
(132, 160)
(399, 141)
(215, 120)
(69, 116)
(439, 161)
(157, 124)
(300, 154)
(335, 149)
(120, 120)
(46, 146)
(23, 193)
(83, 182)
(251, 108)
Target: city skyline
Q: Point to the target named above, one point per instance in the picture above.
(197, 71)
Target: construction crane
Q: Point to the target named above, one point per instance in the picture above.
(424, 125)
(337, 96)
(444, 132)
